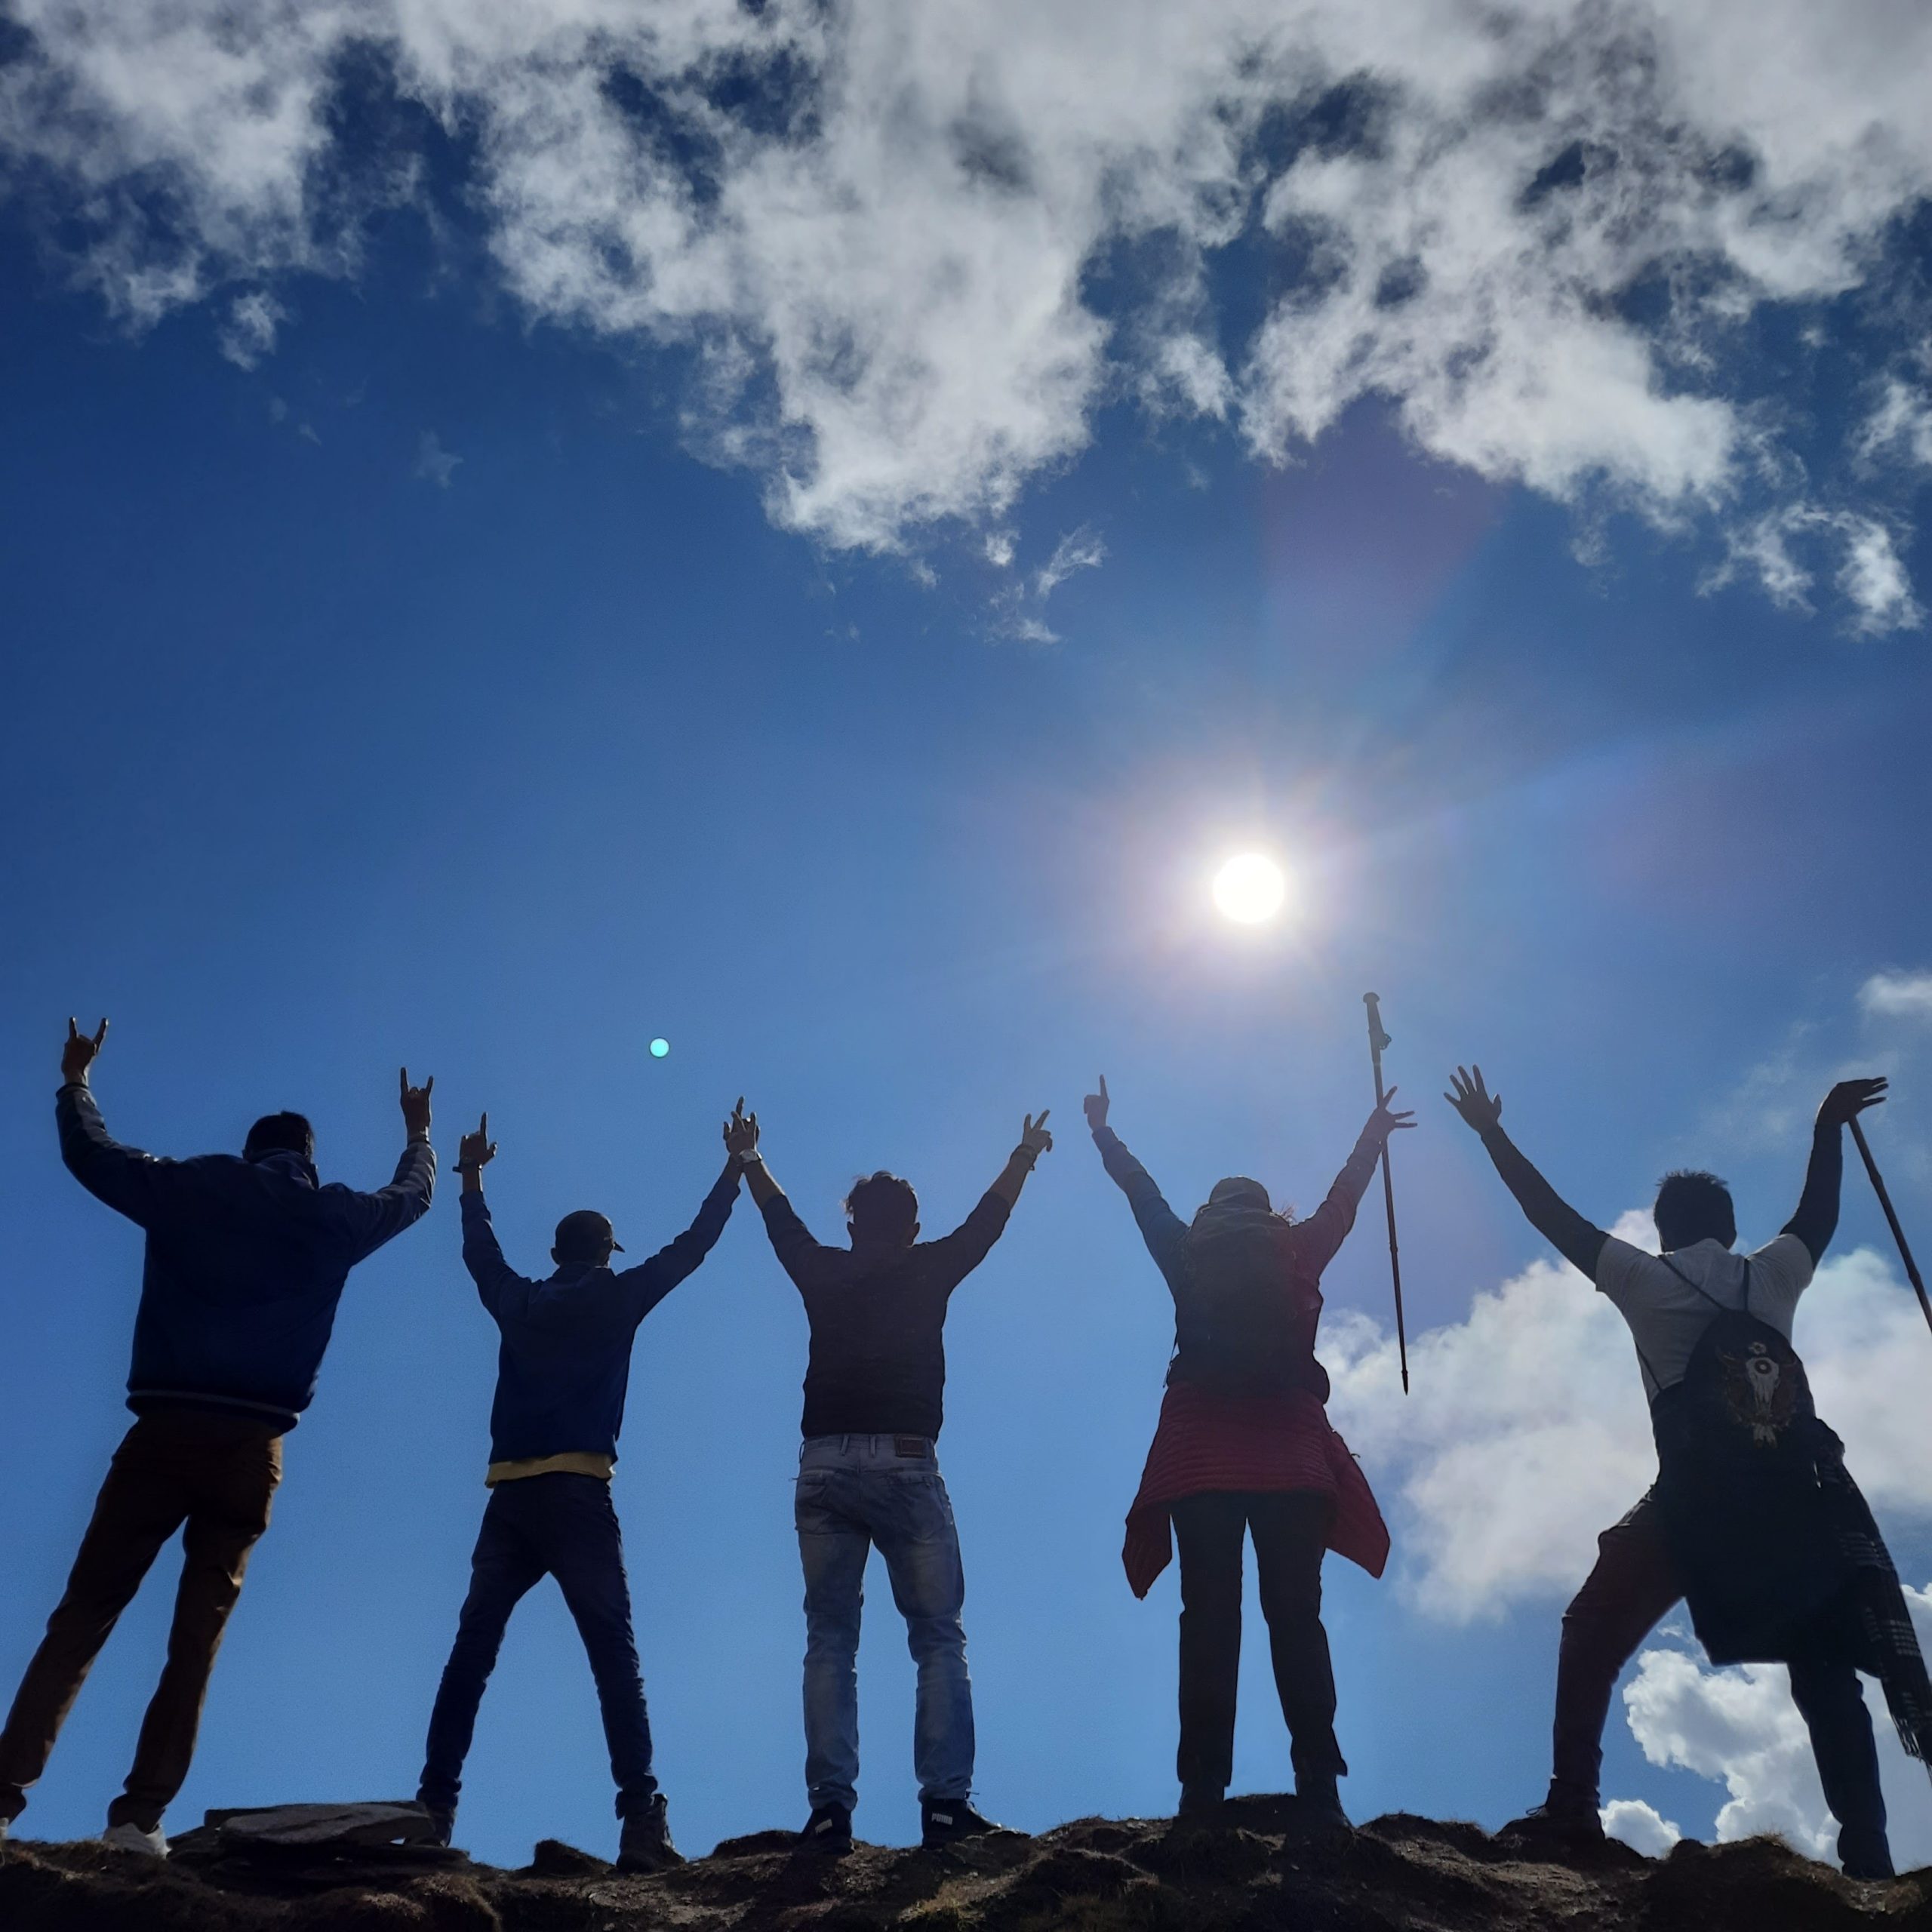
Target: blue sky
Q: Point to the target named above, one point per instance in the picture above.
(427, 677)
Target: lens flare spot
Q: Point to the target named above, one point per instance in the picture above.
(659, 1048)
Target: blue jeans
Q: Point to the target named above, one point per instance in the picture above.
(855, 1491)
(560, 1526)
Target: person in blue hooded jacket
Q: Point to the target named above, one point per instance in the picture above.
(562, 1373)
(246, 1257)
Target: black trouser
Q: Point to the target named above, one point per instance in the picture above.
(1634, 1583)
(1291, 1534)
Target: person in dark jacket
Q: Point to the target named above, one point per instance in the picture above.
(562, 1372)
(869, 1475)
(246, 1260)
(1244, 1448)
(1669, 1300)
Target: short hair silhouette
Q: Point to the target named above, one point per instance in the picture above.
(585, 1235)
(881, 1203)
(1693, 1206)
(280, 1133)
(1239, 1187)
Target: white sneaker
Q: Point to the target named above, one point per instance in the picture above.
(132, 1838)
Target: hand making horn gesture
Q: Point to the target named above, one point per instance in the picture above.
(77, 1055)
(475, 1151)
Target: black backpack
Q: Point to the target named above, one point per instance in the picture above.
(1245, 1310)
(1739, 1442)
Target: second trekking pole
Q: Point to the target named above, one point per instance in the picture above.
(1912, 1274)
(1377, 1040)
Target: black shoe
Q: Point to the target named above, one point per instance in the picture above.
(828, 1832)
(1201, 1801)
(1864, 1854)
(944, 1821)
(1556, 1826)
(645, 1844)
(442, 1823)
(1318, 1801)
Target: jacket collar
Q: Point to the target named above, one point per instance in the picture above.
(283, 1161)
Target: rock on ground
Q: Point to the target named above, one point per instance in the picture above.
(1261, 1869)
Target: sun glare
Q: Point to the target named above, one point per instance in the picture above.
(1251, 887)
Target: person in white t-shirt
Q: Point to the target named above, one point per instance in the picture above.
(1668, 1300)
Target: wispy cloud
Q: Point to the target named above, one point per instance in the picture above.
(1017, 608)
(912, 250)
(248, 334)
(1898, 996)
(435, 464)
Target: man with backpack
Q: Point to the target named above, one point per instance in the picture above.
(868, 1478)
(1753, 1519)
(562, 1373)
(1245, 1447)
(247, 1256)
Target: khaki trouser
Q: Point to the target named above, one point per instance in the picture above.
(215, 1474)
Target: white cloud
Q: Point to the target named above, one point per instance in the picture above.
(435, 464)
(1639, 1826)
(1739, 1727)
(249, 335)
(1526, 1434)
(914, 249)
(1902, 423)
(1081, 550)
(1898, 996)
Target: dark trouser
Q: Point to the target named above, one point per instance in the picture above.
(560, 1526)
(1633, 1585)
(1290, 1535)
(215, 1474)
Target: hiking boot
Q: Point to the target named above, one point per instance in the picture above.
(1863, 1852)
(1201, 1802)
(645, 1844)
(1557, 1825)
(828, 1832)
(1318, 1802)
(130, 1837)
(944, 1821)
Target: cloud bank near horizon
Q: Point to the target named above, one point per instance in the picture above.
(910, 253)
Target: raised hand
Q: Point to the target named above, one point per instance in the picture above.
(1849, 1099)
(476, 1150)
(1034, 1138)
(1471, 1098)
(1385, 1120)
(741, 1133)
(1095, 1105)
(416, 1106)
(77, 1055)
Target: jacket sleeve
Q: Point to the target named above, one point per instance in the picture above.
(498, 1287)
(368, 1220)
(954, 1257)
(1321, 1236)
(651, 1282)
(129, 1181)
(807, 1261)
(1161, 1227)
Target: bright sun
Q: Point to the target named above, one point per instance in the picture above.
(1251, 887)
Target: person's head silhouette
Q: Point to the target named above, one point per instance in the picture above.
(882, 1211)
(1692, 1206)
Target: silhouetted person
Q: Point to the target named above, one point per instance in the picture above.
(1244, 1447)
(562, 1372)
(869, 1475)
(246, 1260)
(1762, 1566)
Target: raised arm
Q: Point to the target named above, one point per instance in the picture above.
(958, 1253)
(1161, 1227)
(371, 1219)
(801, 1257)
(123, 1177)
(1322, 1234)
(1816, 1219)
(1574, 1238)
(651, 1281)
(497, 1284)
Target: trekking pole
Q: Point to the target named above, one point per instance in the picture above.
(1377, 1040)
(1898, 1233)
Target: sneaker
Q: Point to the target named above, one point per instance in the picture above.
(442, 1822)
(1201, 1801)
(1557, 1826)
(130, 1837)
(944, 1821)
(828, 1831)
(645, 1844)
(1318, 1800)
